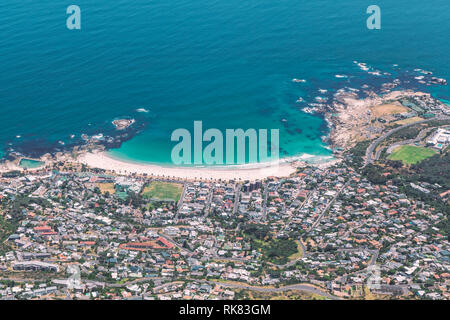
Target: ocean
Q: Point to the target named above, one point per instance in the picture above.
(229, 64)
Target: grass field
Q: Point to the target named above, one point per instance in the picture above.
(411, 154)
(106, 187)
(167, 191)
(387, 109)
(407, 121)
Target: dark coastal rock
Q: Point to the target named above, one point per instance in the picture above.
(110, 137)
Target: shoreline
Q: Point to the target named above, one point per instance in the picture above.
(257, 165)
(101, 160)
(351, 116)
(14, 165)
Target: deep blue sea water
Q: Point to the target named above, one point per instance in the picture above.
(228, 63)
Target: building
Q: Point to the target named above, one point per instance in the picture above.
(35, 266)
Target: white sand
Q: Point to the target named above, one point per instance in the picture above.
(102, 160)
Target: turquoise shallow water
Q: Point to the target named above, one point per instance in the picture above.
(30, 164)
(227, 63)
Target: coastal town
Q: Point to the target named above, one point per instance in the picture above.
(373, 224)
(322, 228)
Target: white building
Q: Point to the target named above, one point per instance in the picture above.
(440, 138)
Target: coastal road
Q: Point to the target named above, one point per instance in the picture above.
(376, 142)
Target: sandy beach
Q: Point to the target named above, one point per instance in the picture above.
(102, 160)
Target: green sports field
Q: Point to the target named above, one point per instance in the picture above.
(164, 191)
(411, 154)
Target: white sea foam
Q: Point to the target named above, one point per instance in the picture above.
(309, 110)
(98, 136)
(321, 99)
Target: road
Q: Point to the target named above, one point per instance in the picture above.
(374, 258)
(208, 203)
(180, 202)
(292, 262)
(176, 244)
(305, 287)
(236, 199)
(328, 207)
(299, 208)
(401, 143)
(264, 216)
(189, 252)
(376, 142)
(374, 252)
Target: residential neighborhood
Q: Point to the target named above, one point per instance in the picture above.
(328, 230)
